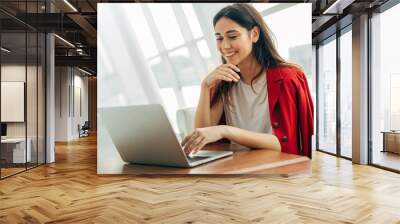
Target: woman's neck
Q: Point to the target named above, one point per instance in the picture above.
(249, 68)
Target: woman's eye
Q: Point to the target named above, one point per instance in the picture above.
(233, 37)
(219, 39)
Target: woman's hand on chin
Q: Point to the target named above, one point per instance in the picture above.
(196, 140)
(224, 72)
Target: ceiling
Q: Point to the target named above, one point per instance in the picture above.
(76, 22)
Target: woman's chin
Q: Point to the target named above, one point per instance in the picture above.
(233, 61)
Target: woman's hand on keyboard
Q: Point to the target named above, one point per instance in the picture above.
(196, 140)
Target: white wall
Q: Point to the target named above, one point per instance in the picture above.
(79, 117)
(68, 83)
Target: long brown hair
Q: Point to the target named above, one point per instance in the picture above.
(264, 50)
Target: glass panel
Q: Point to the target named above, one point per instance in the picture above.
(206, 54)
(295, 48)
(31, 88)
(385, 84)
(31, 98)
(41, 99)
(346, 94)
(167, 24)
(313, 88)
(327, 96)
(183, 67)
(191, 18)
(159, 69)
(134, 12)
(204, 49)
(13, 77)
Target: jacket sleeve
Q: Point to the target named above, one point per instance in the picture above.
(306, 114)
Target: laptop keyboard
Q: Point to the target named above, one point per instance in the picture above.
(197, 158)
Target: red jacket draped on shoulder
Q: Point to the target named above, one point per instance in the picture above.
(291, 109)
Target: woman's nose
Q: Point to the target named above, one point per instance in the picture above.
(225, 44)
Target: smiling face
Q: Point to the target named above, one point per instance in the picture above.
(234, 42)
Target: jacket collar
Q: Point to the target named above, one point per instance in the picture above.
(274, 81)
(274, 74)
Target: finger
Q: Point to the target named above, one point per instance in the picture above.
(186, 139)
(230, 73)
(199, 147)
(229, 76)
(189, 142)
(234, 67)
(195, 143)
(224, 78)
(186, 147)
(193, 135)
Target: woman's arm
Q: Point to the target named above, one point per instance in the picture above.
(251, 139)
(202, 136)
(206, 116)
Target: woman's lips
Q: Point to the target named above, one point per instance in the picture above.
(230, 54)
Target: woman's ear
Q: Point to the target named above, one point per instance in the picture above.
(255, 34)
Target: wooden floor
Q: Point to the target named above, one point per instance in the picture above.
(70, 191)
(5, 172)
(8, 171)
(387, 159)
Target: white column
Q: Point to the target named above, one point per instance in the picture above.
(360, 90)
(50, 99)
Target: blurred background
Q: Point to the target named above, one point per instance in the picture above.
(160, 52)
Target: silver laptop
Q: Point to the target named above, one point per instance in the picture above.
(143, 134)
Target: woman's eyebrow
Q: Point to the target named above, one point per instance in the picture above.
(227, 32)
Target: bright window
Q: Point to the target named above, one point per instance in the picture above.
(346, 94)
(167, 25)
(385, 84)
(327, 96)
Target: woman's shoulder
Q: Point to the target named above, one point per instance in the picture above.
(288, 72)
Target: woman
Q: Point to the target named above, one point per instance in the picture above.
(263, 100)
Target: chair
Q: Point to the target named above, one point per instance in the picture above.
(84, 130)
(185, 120)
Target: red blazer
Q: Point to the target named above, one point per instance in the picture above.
(290, 109)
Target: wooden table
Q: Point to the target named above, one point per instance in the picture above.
(243, 161)
(391, 141)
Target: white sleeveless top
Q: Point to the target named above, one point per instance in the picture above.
(249, 109)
